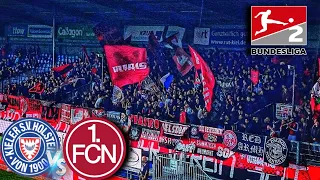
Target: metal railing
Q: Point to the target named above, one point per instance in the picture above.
(305, 154)
(174, 167)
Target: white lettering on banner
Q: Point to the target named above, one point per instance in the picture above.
(69, 32)
(212, 130)
(130, 67)
(197, 59)
(169, 141)
(150, 134)
(17, 31)
(255, 160)
(34, 115)
(141, 33)
(205, 152)
(252, 138)
(151, 147)
(224, 152)
(205, 144)
(189, 148)
(174, 129)
(194, 159)
(10, 115)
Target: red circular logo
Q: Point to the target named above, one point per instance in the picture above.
(230, 139)
(94, 148)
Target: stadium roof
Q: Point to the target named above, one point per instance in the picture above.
(185, 13)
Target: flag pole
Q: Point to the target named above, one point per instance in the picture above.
(293, 87)
(53, 37)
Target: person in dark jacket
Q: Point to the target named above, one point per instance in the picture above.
(315, 135)
(144, 172)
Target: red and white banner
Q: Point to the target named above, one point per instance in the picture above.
(144, 122)
(62, 127)
(11, 115)
(183, 61)
(127, 64)
(78, 114)
(66, 113)
(207, 78)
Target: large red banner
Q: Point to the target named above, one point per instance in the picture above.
(207, 78)
(127, 64)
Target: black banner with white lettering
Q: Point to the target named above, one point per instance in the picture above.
(277, 151)
(205, 133)
(244, 143)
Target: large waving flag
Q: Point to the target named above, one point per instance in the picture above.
(127, 64)
(195, 57)
(62, 70)
(183, 61)
(166, 80)
(207, 78)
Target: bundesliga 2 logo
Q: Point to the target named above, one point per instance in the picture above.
(27, 147)
(278, 26)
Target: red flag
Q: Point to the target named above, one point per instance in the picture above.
(195, 58)
(196, 78)
(127, 64)
(254, 76)
(207, 78)
(182, 60)
(62, 70)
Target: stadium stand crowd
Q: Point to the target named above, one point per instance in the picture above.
(238, 104)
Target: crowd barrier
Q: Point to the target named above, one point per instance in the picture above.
(208, 151)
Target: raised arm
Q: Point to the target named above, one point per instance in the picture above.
(258, 14)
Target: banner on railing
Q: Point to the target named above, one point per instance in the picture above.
(276, 151)
(78, 114)
(283, 111)
(224, 149)
(66, 113)
(142, 33)
(174, 129)
(144, 122)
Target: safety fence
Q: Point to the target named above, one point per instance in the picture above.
(174, 167)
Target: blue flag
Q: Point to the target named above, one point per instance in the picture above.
(166, 80)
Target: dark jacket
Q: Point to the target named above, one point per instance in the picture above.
(315, 133)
